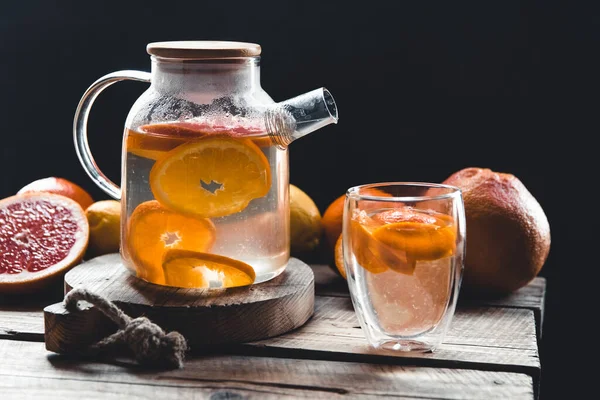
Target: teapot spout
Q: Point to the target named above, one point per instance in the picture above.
(297, 117)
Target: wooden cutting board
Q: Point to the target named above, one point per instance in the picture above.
(204, 318)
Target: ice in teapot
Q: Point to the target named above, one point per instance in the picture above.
(204, 183)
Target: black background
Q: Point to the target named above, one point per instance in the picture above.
(423, 89)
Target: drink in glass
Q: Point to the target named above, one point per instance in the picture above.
(403, 247)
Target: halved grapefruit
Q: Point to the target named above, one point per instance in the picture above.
(61, 186)
(42, 235)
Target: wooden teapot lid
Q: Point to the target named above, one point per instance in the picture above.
(203, 49)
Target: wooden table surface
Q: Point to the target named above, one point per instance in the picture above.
(490, 352)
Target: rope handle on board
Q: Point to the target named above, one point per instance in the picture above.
(148, 342)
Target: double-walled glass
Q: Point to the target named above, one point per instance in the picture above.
(404, 246)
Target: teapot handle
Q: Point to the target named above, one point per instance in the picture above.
(80, 127)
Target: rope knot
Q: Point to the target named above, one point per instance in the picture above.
(151, 345)
(147, 341)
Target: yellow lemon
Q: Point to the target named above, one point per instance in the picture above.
(305, 222)
(104, 218)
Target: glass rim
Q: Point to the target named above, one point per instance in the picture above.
(454, 191)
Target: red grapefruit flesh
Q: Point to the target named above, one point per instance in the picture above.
(42, 235)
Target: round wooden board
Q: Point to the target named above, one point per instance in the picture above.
(203, 317)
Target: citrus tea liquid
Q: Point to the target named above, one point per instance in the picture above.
(203, 205)
(404, 268)
(408, 305)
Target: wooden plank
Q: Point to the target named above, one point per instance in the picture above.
(28, 371)
(479, 337)
(492, 336)
(22, 322)
(21, 317)
(531, 297)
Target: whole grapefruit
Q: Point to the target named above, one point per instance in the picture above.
(508, 234)
(60, 186)
(42, 235)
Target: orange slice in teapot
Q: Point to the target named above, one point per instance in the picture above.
(197, 270)
(153, 230)
(214, 176)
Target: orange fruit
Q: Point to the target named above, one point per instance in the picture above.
(508, 234)
(334, 214)
(153, 230)
(59, 186)
(339, 257)
(332, 221)
(214, 176)
(42, 235)
(197, 270)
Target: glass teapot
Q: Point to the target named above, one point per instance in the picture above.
(204, 182)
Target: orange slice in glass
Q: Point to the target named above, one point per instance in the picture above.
(404, 214)
(197, 270)
(153, 230)
(430, 240)
(398, 238)
(214, 176)
(366, 249)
